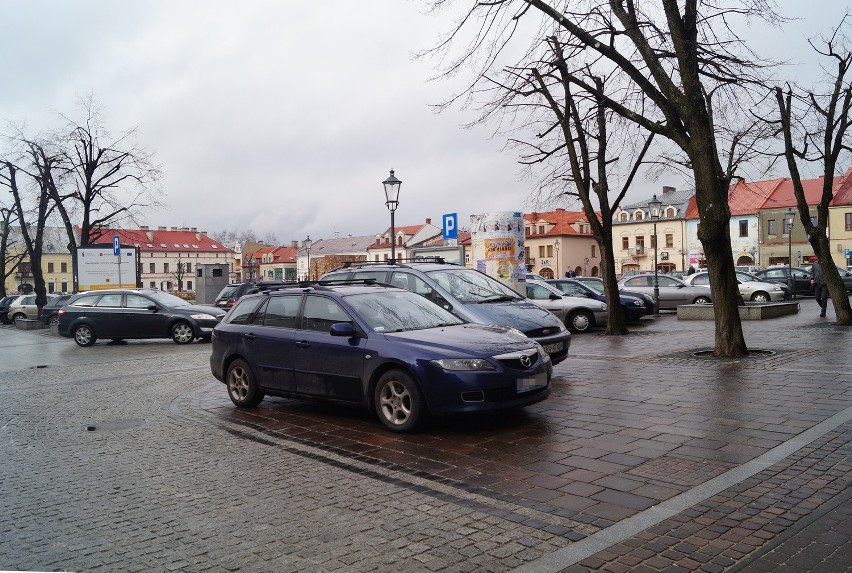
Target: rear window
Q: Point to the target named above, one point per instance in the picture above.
(228, 291)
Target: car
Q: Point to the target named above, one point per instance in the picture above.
(120, 314)
(50, 312)
(5, 302)
(597, 284)
(801, 279)
(580, 314)
(634, 307)
(470, 294)
(846, 277)
(673, 292)
(24, 307)
(232, 293)
(751, 289)
(381, 347)
(750, 269)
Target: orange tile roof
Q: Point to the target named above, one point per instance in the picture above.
(843, 189)
(177, 240)
(561, 220)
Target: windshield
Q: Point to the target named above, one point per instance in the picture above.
(167, 299)
(470, 286)
(398, 311)
(595, 286)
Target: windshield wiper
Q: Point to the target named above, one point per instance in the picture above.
(499, 298)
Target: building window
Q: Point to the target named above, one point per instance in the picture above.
(670, 212)
(549, 250)
(527, 254)
(153, 284)
(848, 217)
(165, 267)
(623, 217)
(640, 243)
(772, 228)
(541, 251)
(625, 243)
(188, 267)
(63, 267)
(188, 285)
(50, 268)
(669, 240)
(151, 268)
(593, 251)
(653, 241)
(64, 285)
(51, 288)
(639, 216)
(541, 229)
(527, 231)
(217, 273)
(743, 228)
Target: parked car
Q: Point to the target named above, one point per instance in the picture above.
(24, 307)
(50, 312)
(750, 269)
(120, 314)
(232, 293)
(751, 289)
(5, 302)
(801, 281)
(597, 284)
(673, 292)
(634, 307)
(382, 347)
(580, 314)
(469, 294)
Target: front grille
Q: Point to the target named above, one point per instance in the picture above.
(542, 332)
(522, 360)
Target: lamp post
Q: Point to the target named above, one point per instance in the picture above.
(392, 185)
(788, 222)
(556, 245)
(654, 206)
(307, 245)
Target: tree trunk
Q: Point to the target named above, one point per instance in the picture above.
(836, 288)
(615, 323)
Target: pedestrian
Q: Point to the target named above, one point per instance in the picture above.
(820, 288)
(691, 270)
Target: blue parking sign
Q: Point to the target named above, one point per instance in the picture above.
(116, 245)
(450, 226)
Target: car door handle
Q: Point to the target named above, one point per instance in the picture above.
(250, 336)
(303, 344)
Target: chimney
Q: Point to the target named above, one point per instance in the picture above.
(667, 189)
(150, 235)
(294, 244)
(197, 236)
(162, 228)
(428, 221)
(193, 229)
(143, 227)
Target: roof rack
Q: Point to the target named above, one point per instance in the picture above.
(317, 285)
(398, 262)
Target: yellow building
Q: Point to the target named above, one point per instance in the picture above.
(55, 262)
(840, 223)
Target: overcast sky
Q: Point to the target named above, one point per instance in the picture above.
(284, 116)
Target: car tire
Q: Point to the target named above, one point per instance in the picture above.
(84, 335)
(182, 333)
(398, 401)
(242, 387)
(18, 315)
(760, 297)
(53, 320)
(580, 321)
(702, 300)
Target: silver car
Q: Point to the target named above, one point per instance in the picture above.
(25, 307)
(579, 314)
(750, 287)
(673, 292)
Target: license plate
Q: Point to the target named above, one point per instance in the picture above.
(527, 384)
(555, 347)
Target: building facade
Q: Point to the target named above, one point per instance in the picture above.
(558, 242)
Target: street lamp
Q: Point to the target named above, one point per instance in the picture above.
(654, 206)
(392, 185)
(788, 222)
(556, 244)
(307, 245)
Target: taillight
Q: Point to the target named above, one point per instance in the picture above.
(230, 303)
(61, 311)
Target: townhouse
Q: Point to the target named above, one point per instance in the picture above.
(560, 241)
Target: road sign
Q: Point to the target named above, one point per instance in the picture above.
(846, 253)
(450, 226)
(799, 255)
(116, 245)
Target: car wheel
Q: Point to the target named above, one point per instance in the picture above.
(399, 403)
(182, 333)
(242, 389)
(760, 297)
(53, 320)
(18, 315)
(84, 335)
(581, 321)
(702, 300)
(5, 319)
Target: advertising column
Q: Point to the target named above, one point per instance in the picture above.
(497, 245)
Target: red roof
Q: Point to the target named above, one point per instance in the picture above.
(159, 240)
(561, 220)
(843, 189)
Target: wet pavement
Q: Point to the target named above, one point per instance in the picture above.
(645, 458)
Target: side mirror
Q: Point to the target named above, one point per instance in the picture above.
(153, 307)
(344, 329)
(554, 296)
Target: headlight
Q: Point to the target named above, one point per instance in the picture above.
(777, 288)
(638, 303)
(464, 364)
(203, 316)
(603, 306)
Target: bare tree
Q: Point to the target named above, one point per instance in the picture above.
(815, 127)
(181, 269)
(9, 259)
(111, 179)
(685, 77)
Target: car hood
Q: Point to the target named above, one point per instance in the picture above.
(523, 314)
(199, 308)
(464, 339)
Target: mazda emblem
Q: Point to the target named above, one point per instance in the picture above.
(525, 361)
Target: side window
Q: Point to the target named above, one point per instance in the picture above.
(413, 283)
(242, 313)
(86, 301)
(109, 300)
(321, 312)
(537, 292)
(379, 276)
(701, 280)
(636, 282)
(281, 311)
(775, 274)
(667, 281)
(136, 301)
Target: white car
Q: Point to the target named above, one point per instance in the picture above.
(751, 288)
(579, 314)
(25, 307)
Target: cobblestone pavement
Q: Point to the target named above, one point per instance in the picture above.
(644, 458)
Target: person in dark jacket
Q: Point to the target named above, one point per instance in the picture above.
(820, 288)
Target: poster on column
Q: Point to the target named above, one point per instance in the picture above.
(497, 244)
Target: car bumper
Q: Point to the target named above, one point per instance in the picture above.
(464, 392)
(555, 345)
(635, 313)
